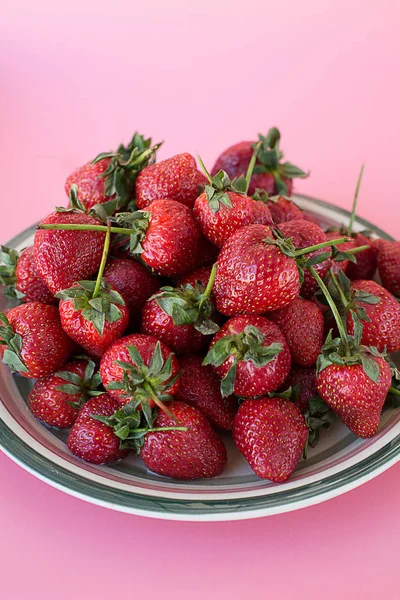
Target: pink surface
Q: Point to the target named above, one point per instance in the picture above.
(79, 77)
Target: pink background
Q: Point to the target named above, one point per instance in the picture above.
(78, 78)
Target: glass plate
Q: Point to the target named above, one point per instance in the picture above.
(339, 463)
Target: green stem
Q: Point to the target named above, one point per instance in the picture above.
(210, 284)
(302, 251)
(393, 390)
(203, 168)
(358, 249)
(158, 402)
(251, 166)
(339, 290)
(144, 430)
(332, 306)
(103, 262)
(81, 227)
(353, 212)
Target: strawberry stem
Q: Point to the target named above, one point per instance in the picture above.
(358, 249)
(203, 168)
(338, 288)
(103, 261)
(251, 166)
(332, 306)
(81, 227)
(393, 390)
(210, 284)
(353, 212)
(144, 430)
(336, 242)
(158, 402)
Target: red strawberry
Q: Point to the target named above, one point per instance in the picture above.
(112, 175)
(195, 453)
(304, 234)
(283, 210)
(389, 266)
(181, 317)
(176, 178)
(302, 324)
(201, 275)
(92, 440)
(32, 341)
(19, 275)
(270, 174)
(366, 260)
(271, 433)
(64, 257)
(305, 379)
(200, 387)
(134, 282)
(250, 355)
(342, 265)
(140, 367)
(380, 316)
(57, 398)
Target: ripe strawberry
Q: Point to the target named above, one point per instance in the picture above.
(302, 324)
(195, 453)
(57, 398)
(271, 433)
(112, 175)
(342, 265)
(389, 266)
(64, 257)
(92, 440)
(366, 261)
(134, 282)
(284, 210)
(269, 174)
(201, 275)
(380, 315)
(32, 341)
(221, 210)
(250, 355)
(176, 178)
(18, 273)
(200, 387)
(304, 234)
(141, 368)
(305, 380)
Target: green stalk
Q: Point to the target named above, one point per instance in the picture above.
(210, 284)
(336, 242)
(393, 390)
(158, 402)
(103, 262)
(251, 166)
(353, 212)
(203, 168)
(81, 227)
(358, 249)
(144, 430)
(338, 288)
(332, 306)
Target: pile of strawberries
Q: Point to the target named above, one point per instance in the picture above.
(166, 304)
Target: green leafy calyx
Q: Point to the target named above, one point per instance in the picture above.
(9, 259)
(82, 388)
(13, 342)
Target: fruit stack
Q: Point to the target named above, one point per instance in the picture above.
(166, 304)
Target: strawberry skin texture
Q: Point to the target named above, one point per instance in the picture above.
(200, 387)
(271, 434)
(304, 234)
(45, 346)
(134, 282)
(305, 378)
(109, 371)
(28, 281)
(284, 210)
(202, 275)
(50, 405)
(252, 276)
(171, 243)
(84, 333)
(193, 454)
(251, 380)
(91, 440)
(365, 267)
(90, 182)
(176, 178)
(302, 324)
(218, 227)
(389, 266)
(383, 331)
(63, 257)
(355, 398)
(265, 181)
(180, 338)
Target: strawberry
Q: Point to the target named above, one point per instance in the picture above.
(92, 440)
(181, 317)
(176, 178)
(141, 368)
(18, 273)
(111, 176)
(64, 257)
(283, 210)
(250, 355)
(305, 380)
(222, 209)
(32, 341)
(271, 433)
(269, 174)
(200, 387)
(134, 282)
(302, 324)
(195, 453)
(349, 245)
(389, 266)
(57, 398)
(201, 275)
